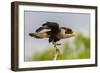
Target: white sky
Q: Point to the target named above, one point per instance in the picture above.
(79, 23)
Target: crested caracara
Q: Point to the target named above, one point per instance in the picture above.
(55, 32)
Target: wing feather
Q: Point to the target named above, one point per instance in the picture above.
(39, 35)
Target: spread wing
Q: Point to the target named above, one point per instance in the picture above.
(48, 25)
(40, 35)
(39, 29)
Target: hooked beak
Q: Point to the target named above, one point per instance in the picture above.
(72, 34)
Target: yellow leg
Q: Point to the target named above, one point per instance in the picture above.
(56, 51)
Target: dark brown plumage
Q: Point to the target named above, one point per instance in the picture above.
(55, 34)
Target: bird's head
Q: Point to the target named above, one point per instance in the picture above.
(70, 33)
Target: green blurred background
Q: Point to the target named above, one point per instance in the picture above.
(80, 50)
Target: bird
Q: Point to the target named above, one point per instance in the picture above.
(55, 32)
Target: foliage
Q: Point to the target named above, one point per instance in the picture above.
(79, 49)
